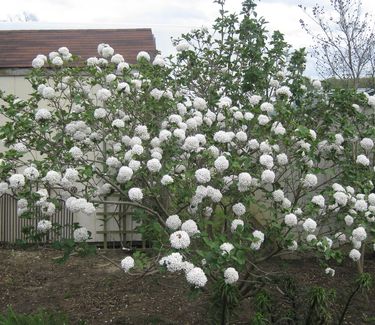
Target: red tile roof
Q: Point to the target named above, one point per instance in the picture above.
(19, 47)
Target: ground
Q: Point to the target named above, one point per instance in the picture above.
(96, 291)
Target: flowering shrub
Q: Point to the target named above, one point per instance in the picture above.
(226, 153)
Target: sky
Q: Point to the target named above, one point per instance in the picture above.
(166, 17)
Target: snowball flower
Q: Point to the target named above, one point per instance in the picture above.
(43, 114)
(266, 160)
(290, 220)
(310, 238)
(57, 61)
(230, 275)
(135, 194)
(221, 164)
(159, 61)
(268, 176)
(278, 195)
(52, 177)
(143, 55)
(253, 144)
(76, 153)
(37, 63)
(190, 227)
(263, 119)
(100, 113)
(309, 225)
(16, 181)
(239, 209)
(329, 271)
(117, 123)
(317, 84)
(284, 91)
(182, 46)
(371, 198)
(3, 187)
(360, 205)
(179, 239)
(44, 226)
(293, 246)
(235, 224)
(267, 107)
(31, 173)
(348, 220)
(48, 92)
(117, 59)
(125, 174)
(154, 165)
(363, 160)
(226, 248)
(355, 255)
(166, 180)
(173, 222)
(282, 159)
(103, 94)
(127, 263)
(203, 175)
(367, 143)
(199, 103)
(310, 180)
(196, 277)
(244, 179)
(341, 198)
(278, 128)
(359, 234)
(318, 200)
(191, 143)
(173, 262)
(81, 234)
(105, 50)
(258, 240)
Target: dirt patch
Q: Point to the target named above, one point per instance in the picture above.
(94, 290)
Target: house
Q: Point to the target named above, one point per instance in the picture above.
(17, 50)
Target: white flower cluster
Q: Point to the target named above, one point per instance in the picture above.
(291, 220)
(81, 235)
(179, 239)
(124, 175)
(135, 194)
(80, 206)
(231, 275)
(226, 248)
(127, 263)
(173, 222)
(44, 226)
(258, 240)
(191, 227)
(16, 181)
(166, 180)
(78, 130)
(43, 114)
(239, 209)
(52, 177)
(235, 223)
(196, 277)
(203, 175)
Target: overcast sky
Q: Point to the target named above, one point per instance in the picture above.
(166, 17)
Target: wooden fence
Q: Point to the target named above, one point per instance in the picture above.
(11, 225)
(116, 225)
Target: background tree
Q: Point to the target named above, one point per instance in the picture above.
(22, 17)
(344, 40)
